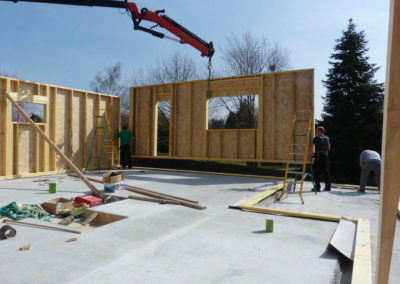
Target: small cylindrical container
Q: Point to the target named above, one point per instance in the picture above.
(269, 225)
(52, 186)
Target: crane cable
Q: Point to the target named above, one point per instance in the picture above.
(209, 77)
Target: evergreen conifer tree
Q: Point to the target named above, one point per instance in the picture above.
(353, 105)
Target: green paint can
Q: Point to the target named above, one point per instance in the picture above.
(269, 226)
(52, 186)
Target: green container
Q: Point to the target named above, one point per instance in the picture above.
(269, 226)
(52, 186)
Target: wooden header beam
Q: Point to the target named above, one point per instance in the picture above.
(390, 182)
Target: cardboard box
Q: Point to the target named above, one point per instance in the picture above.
(55, 206)
(113, 181)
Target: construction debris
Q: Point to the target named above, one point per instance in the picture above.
(40, 226)
(156, 195)
(7, 232)
(27, 247)
(73, 239)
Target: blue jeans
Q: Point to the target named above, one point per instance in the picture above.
(368, 167)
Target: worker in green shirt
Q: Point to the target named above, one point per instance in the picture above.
(125, 137)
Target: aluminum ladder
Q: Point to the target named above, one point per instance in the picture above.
(298, 157)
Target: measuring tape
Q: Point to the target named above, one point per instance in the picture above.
(7, 232)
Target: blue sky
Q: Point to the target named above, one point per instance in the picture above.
(67, 46)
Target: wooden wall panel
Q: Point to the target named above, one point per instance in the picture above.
(198, 130)
(284, 111)
(76, 119)
(182, 120)
(68, 120)
(61, 123)
(247, 144)
(26, 150)
(269, 118)
(230, 144)
(280, 94)
(143, 121)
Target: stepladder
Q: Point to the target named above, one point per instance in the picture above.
(103, 148)
(299, 152)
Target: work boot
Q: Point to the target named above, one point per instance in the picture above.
(316, 189)
(361, 190)
(327, 189)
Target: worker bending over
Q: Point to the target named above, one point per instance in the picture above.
(321, 159)
(370, 161)
(125, 154)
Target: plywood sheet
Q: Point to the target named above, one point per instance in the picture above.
(247, 144)
(61, 124)
(230, 145)
(198, 119)
(269, 117)
(183, 93)
(284, 111)
(214, 144)
(26, 150)
(77, 112)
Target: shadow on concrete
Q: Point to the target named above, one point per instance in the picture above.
(41, 190)
(260, 232)
(351, 193)
(262, 189)
(329, 253)
(190, 179)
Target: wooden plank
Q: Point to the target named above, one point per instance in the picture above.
(55, 148)
(36, 152)
(70, 122)
(29, 98)
(390, 189)
(189, 144)
(45, 166)
(260, 131)
(8, 135)
(53, 133)
(205, 121)
(16, 149)
(84, 128)
(362, 267)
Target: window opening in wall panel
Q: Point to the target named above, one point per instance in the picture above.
(233, 112)
(35, 112)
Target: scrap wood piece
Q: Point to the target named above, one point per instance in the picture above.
(352, 186)
(42, 226)
(90, 218)
(73, 239)
(143, 190)
(157, 200)
(344, 238)
(54, 146)
(27, 247)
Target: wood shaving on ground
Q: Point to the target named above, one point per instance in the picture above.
(72, 239)
(27, 247)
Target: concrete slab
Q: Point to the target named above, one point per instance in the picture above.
(175, 244)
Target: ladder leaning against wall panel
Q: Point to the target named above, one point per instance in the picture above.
(108, 147)
(299, 150)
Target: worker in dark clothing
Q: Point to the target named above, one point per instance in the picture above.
(321, 159)
(125, 154)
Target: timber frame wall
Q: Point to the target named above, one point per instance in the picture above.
(279, 95)
(68, 120)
